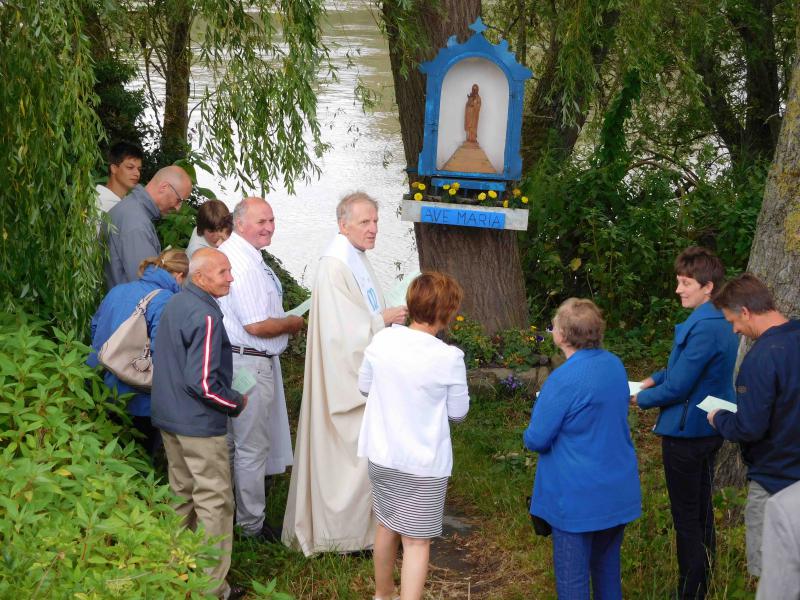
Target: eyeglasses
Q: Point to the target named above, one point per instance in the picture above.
(180, 198)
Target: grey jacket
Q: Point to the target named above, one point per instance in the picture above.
(193, 368)
(131, 236)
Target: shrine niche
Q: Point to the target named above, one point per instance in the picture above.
(470, 161)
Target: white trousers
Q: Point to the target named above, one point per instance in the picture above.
(249, 440)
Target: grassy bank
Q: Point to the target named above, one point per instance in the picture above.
(491, 480)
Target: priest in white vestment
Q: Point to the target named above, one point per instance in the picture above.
(329, 508)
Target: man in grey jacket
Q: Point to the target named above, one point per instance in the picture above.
(130, 234)
(192, 399)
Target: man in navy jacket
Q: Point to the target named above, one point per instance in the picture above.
(767, 421)
(192, 399)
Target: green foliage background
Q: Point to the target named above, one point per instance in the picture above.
(77, 517)
(50, 263)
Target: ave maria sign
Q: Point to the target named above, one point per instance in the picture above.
(460, 215)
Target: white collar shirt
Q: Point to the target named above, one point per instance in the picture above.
(256, 295)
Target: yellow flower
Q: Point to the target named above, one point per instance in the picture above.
(415, 184)
(516, 192)
(452, 191)
(456, 185)
(524, 199)
(459, 318)
(421, 186)
(505, 203)
(533, 327)
(492, 194)
(417, 196)
(446, 186)
(482, 196)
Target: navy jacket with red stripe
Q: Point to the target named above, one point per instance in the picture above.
(193, 368)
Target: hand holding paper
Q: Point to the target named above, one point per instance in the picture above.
(635, 387)
(713, 403)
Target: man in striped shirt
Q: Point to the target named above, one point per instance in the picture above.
(192, 399)
(259, 331)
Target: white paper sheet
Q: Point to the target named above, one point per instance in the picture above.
(635, 387)
(713, 403)
(243, 381)
(300, 309)
(397, 295)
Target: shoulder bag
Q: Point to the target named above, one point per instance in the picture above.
(127, 352)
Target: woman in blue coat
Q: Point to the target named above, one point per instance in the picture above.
(587, 480)
(701, 364)
(165, 272)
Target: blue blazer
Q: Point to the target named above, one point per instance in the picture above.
(117, 306)
(586, 476)
(701, 364)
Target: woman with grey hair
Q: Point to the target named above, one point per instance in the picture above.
(587, 481)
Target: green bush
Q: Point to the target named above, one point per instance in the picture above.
(510, 348)
(609, 227)
(77, 518)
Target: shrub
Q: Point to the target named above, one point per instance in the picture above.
(510, 348)
(77, 519)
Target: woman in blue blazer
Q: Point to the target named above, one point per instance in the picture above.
(164, 272)
(587, 480)
(701, 364)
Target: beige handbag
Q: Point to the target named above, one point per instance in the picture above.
(127, 352)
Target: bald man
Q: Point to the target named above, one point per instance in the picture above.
(193, 399)
(130, 233)
(259, 332)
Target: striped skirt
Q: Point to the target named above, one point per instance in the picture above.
(410, 505)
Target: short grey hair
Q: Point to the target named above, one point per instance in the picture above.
(346, 203)
(240, 210)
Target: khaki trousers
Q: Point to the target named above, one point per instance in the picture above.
(199, 473)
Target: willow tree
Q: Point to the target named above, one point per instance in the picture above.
(775, 255)
(248, 70)
(49, 261)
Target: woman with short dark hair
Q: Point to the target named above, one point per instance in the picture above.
(586, 486)
(415, 384)
(214, 226)
(701, 364)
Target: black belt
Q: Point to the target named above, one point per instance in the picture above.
(250, 351)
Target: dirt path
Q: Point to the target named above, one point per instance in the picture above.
(457, 569)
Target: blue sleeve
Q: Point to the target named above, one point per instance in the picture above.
(546, 418)
(683, 375)
(659, 376)
(203, 364)
(92, 358)
(754, 403)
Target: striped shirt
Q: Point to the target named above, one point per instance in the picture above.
(255, 296)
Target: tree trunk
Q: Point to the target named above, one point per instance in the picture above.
(485, 262)
(756, 137)
(775, 255)
(174, 136)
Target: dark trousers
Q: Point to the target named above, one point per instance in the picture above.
(689, 471)
(152, 436)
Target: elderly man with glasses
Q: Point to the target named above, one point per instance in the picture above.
(130, 232)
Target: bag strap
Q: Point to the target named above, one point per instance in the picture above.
(142, 305)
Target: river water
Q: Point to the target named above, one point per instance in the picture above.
(366, 154)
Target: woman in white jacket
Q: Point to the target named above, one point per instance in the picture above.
(415, 384)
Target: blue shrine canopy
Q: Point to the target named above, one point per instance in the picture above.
(507, 160)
